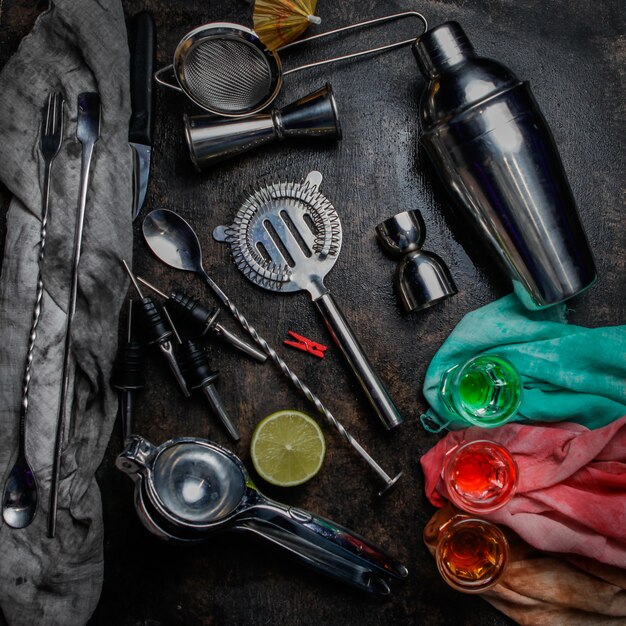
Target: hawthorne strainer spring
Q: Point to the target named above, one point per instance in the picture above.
(287, 237)
(226, 70)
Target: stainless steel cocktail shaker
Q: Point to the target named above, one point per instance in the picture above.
(494, 151)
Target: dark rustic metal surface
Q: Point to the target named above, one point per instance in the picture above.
(574, 56)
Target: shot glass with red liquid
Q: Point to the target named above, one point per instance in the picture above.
(480, 476)
(472, 554)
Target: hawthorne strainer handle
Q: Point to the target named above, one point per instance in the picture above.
(348, 343)
(378, 20)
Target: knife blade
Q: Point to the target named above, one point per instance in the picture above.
(142, 44)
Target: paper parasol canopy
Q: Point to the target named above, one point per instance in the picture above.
(277, 22)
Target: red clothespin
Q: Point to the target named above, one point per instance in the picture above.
(306, 345)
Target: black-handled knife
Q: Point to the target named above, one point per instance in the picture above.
(141, 40)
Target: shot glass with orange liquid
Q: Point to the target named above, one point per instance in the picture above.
(471, 554)
(480, 476)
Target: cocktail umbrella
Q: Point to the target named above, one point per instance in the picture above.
(277, 22)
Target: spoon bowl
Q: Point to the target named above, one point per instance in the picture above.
(19, 499)
(173, 240)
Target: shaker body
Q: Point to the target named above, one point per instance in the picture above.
(498, 158)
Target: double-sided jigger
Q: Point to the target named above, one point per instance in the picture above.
(211, 140)
(422, 278)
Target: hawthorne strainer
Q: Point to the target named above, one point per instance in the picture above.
(226, 70)
(286, 237)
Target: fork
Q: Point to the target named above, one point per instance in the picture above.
(19, 499)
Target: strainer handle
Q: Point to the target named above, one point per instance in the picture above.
(165, 82)
(349, 345)
(386, 18)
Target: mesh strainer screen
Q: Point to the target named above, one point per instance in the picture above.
(227, 75)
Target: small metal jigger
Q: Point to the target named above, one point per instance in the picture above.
(211, 140)
(422, 278)
(199, 375)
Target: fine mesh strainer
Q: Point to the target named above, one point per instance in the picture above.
(226, 70)
(286, 237)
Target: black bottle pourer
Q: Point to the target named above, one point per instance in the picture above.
(199, 375)
(159, 330)
(127, 375)
(422, 278)
(192, 314)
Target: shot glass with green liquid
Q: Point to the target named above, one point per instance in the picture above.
(484, 391)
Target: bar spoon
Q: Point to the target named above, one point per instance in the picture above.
(19, 498)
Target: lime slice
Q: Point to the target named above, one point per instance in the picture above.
(287, 448)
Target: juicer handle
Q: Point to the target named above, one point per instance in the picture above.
(324, 546)
(343, 336)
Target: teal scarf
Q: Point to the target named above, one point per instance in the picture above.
(570, 373)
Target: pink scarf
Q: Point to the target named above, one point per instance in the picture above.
(571, 496)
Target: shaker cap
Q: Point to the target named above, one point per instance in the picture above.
(442, 47)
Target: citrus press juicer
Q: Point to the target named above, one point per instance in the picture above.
(188, 489)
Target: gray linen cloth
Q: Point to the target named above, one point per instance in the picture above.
(76, 46)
